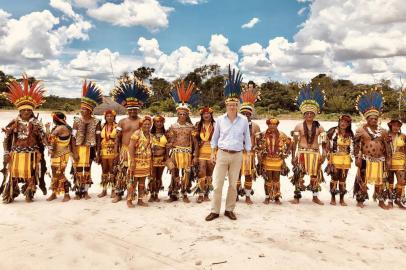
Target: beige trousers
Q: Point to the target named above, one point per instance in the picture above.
(226, 163)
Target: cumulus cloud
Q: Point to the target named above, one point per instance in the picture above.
(148, 13)
(251, 23)
(356, 39)
(64, 7)
(359, 40)
(183, 60)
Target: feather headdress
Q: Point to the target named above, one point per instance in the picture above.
(91, 95)
(248, 99)
(184, 97)
(232, 89)
(25, 95)
(132, 94)
(310, 99)
(370, 103)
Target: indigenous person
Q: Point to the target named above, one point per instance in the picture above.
(140, 152)
(231, 136)
(108, 154)
(203, 135)
(397, 167)
(59, 148)
(307, 138)
(159, 157)
(339, 144)
(371, 149)
(180, 138)
(85, 140)
(132, 94)
(24, 136)
(248, 97)
(273, 147)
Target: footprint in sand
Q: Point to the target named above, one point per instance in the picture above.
(214, 237)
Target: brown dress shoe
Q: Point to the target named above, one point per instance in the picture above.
(212, 216)
(230, 215)
(206, 198)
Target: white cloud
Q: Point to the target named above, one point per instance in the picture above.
(192, 2)
(251, 23)
(359, 40)
(63, 6)
(65, 78)
(183, 60)
(351, 39)
(36, 36)
(147, 13)
(86, 3)
(301, 11)
(220, 53)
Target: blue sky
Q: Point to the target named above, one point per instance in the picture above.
(189, 25)
(65, 41)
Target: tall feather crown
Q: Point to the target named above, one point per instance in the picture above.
(370, 102)
(184, 97)
(132, 93)
(91, 95)
(25, 95)
(232, 89)
(248, 98)
(310, 99)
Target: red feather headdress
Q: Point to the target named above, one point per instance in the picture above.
(25, 95)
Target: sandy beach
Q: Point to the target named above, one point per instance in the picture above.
(97, 234)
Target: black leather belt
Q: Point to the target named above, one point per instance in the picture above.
(230, 151)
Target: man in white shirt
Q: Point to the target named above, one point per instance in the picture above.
(231, 136)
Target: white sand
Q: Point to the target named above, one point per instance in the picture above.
(97, 234)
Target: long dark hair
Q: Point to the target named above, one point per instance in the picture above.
(348, 130)
(153, 129)
(200, 125)
(62, 116)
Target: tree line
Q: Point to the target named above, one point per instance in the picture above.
(276, 98)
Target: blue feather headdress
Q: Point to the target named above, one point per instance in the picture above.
(91, 96)
(310, 99)
(370, 103)
(232, 90)
(132, 93)
(184, 97)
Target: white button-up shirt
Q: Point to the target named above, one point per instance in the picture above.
(229, 135)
